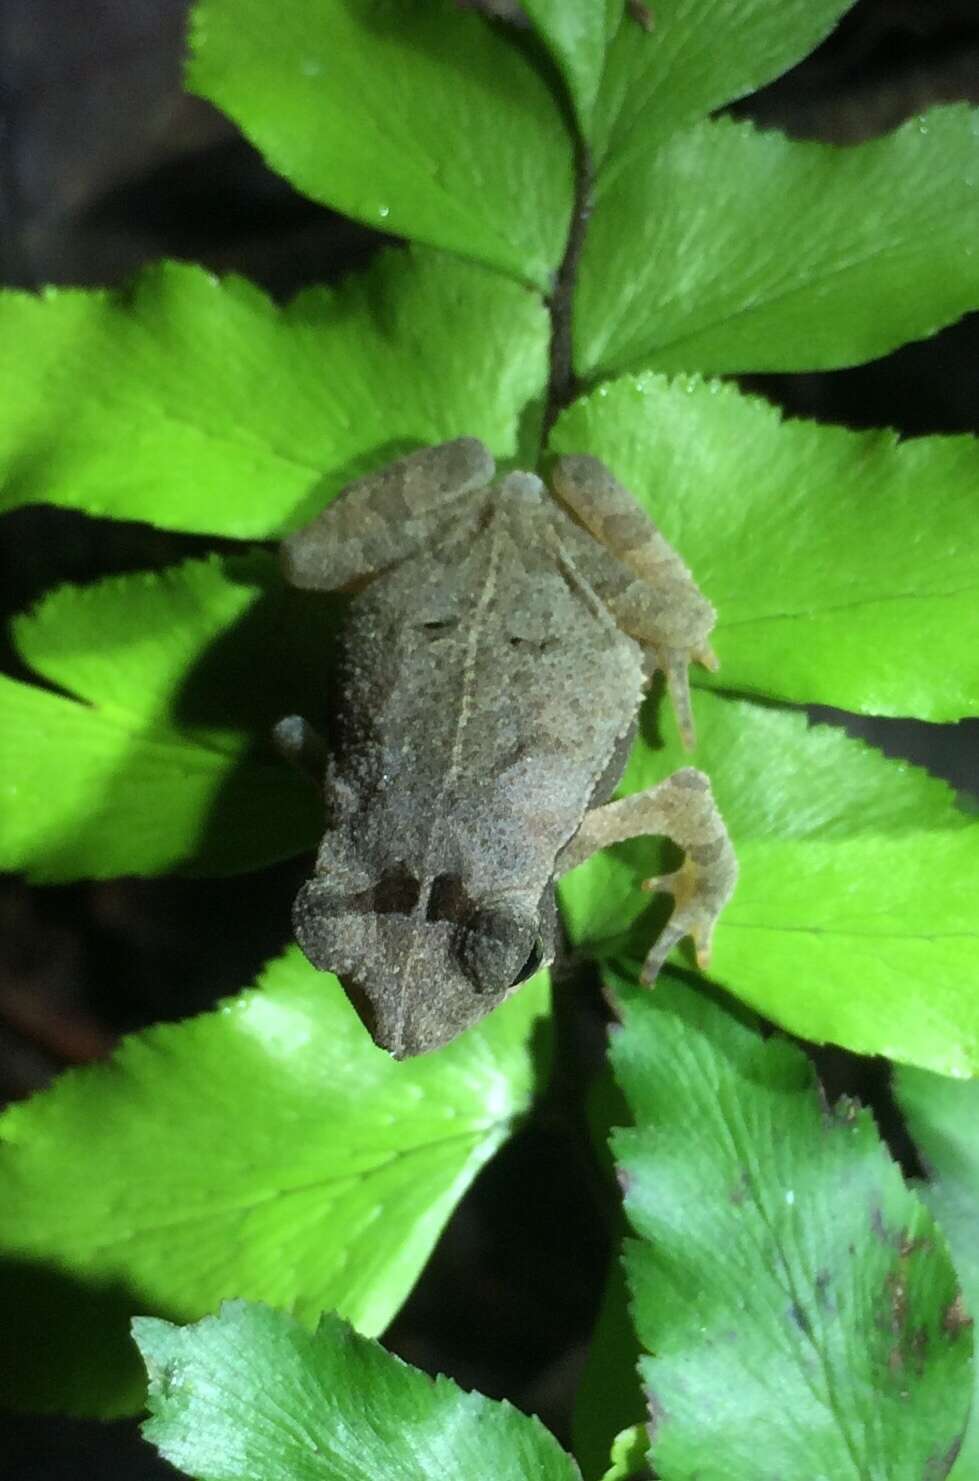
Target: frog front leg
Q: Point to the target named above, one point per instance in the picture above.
(379, 520)
(663, 608)
(681, 808)
(302, 746)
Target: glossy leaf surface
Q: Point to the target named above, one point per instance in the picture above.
(577, 32)
(734, 250)
(197, 404)
(943, 1119)
(780, 1268)
(250, 1392)
(695, 56)
(267, 1150)
(410, 115)
(158, 753)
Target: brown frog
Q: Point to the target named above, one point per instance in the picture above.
(492, 663)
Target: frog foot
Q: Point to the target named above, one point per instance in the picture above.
(694, 914)
(682, 809)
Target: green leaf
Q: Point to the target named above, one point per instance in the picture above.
(792, 1293)
(629, 1455)
(267, 1150)
(87, 796)
(942, 1117)
(734, 250)
(697, 56)
(843, 565)
(409, 115)
(854, 917)
(250, 1392)
(576, 32)
(609, 1401)
(158, 756)
(197, 404)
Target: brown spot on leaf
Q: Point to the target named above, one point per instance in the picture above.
(919, 1350)
(739, 1192)
(898, 1288)
(641, 14)
(798, 1315)
(938, 1467)
(897, 1239)
(909, 1247)
(656, 1414)
(955, 1318)
(823, 1282)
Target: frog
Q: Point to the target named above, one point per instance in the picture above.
(499, 638)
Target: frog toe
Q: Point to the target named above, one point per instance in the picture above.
(697, 904)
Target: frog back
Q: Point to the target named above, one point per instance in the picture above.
(485, 690)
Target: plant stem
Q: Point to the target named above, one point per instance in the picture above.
(562, 384)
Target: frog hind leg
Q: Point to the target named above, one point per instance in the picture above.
(378, 520)
(681, 808)
(662, 606)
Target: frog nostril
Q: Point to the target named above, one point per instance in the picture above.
(438, 628)
(448, 899)
(396, 892)
(539, 645)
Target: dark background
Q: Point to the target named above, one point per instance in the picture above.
(105, 164)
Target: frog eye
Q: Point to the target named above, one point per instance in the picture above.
(533, 963)
(494, 941)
